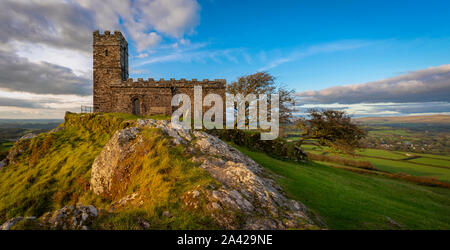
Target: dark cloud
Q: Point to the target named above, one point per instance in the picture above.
(424, 107)
(55, 24)
(382, 109)
(429, 85)
(69, 24)
(9, 102)
(19, 74)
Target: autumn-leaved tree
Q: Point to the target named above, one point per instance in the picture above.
(331, 128)
(264, 83)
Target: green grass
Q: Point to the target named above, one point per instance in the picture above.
(394, 155)
(4, 149)
(389, 132)
(398, 162)
(443, 157)
(54, 171)
(409, 168)
(432, 161)
(348, 200)
(5, 146)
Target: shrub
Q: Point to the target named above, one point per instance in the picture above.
(252, 140)
(426, 181)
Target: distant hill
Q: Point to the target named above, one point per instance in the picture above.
(437, 119)
(30, 123)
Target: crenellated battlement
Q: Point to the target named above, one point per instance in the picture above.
(107, 33)
(107, 36)
(164, 83)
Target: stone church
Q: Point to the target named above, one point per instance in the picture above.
(115, 92)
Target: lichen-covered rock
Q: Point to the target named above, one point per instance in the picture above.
(179, 136)
(57, 129)
(108, 175)
(18, 148)
(124, 201)
(10, 223)
(70, 217)
(27, 136)
(106, 170)
(3, 163)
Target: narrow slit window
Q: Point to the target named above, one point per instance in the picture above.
(106, 52)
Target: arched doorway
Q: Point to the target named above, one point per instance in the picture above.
(136, 107)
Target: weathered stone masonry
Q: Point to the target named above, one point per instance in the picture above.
(115, 92)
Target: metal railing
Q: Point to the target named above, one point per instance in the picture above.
(87, 109)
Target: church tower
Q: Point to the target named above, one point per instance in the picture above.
(110, 52)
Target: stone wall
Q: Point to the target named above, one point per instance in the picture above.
(155, 96)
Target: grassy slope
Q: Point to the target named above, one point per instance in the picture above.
(348, 200)
(54, 171)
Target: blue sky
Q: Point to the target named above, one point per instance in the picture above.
(370, 58)
(372, 39)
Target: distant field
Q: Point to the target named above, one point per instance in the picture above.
(407, 119)
(349, 200)
(444, 157)
(390, 132)
(5, 146)
(423, 165)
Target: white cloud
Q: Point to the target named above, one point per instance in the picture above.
(170, 17)
(142, 55)
(382, 108)
(194, 56)
(428, 85)
(69, 23)
(299, 54)
(14, 105)
(146, 21)
(418, 92)
(80, 63)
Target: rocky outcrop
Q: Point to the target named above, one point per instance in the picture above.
(124, 201)
(18, 148)
(57, 129)
(3, 163)
(106, 170)
(246, 188)
(20, 145)
(12, 222)
(69, 217)
(27, 136)
(247, 197)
